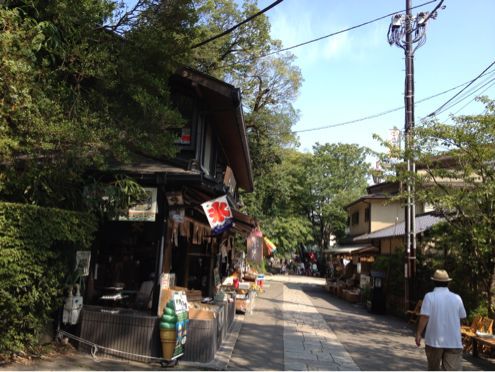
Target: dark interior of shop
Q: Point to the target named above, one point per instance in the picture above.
(124, 265)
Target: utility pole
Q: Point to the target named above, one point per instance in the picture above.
(410, 210)
(405, 31)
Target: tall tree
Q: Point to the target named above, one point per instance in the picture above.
(76, 94)
(457, 177)
(280, 202)
(269, 84)
(338, 174)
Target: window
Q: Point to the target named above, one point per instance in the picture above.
(367, 214)
(185, 105)
(355, 218)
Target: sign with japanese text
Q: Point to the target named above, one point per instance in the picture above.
(255, 246)
(219, 214)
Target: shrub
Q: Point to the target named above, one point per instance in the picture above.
(36, 248)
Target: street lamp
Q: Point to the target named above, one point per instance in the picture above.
(409, 33)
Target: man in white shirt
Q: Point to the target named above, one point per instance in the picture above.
(442, 311)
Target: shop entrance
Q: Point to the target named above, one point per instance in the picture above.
(124, 265)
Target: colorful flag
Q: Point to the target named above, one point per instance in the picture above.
(219, 214)
(270, 246)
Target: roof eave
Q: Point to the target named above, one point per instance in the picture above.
(226, 108)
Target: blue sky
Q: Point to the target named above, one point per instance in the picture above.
(357, 74)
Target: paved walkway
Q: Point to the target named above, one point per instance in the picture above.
(309, 344)
(353, 337)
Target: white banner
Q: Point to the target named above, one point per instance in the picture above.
(219, 214)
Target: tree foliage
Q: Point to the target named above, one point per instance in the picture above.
(77, 96)
(338, 175)
(456, 177)
(279, 202)
(33, 239)
(269, 84)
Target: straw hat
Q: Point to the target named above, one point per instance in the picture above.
(441, 276)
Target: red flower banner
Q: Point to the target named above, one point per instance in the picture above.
(218, 213)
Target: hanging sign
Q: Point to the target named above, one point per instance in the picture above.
(254, 244)
(219, 214)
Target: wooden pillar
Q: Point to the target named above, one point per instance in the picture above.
(160, 222)
(167, 256)
(188, 251)
(211, 281)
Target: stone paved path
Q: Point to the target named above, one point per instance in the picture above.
(309, 344)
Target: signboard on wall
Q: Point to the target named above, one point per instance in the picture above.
(255, 246)
(145, 211)
(83, 259)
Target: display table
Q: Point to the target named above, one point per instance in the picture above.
(245, 302)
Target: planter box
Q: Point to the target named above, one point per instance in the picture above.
(350, 296)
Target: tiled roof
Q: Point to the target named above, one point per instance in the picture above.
(423, 223)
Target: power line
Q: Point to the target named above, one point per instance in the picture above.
(462, 90)
(226, 32)
(467, 95)
(432, 14)
(383, 113)
(251, 60)
(342, 31)
(492, 81)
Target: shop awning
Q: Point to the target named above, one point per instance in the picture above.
(243, 223)
(353, 249)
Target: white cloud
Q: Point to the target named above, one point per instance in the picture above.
(335, 46)
(302, 25)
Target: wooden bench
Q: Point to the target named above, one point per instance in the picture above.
(470, 338)
(413, 315)
(470, 330)
(485, 342)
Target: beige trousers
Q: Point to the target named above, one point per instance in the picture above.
(440, 359)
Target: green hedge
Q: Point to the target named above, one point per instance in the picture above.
(36, 250)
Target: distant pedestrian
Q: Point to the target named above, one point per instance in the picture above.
(302, 268)
(441, 314)
(314, 268)
(270, 261)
